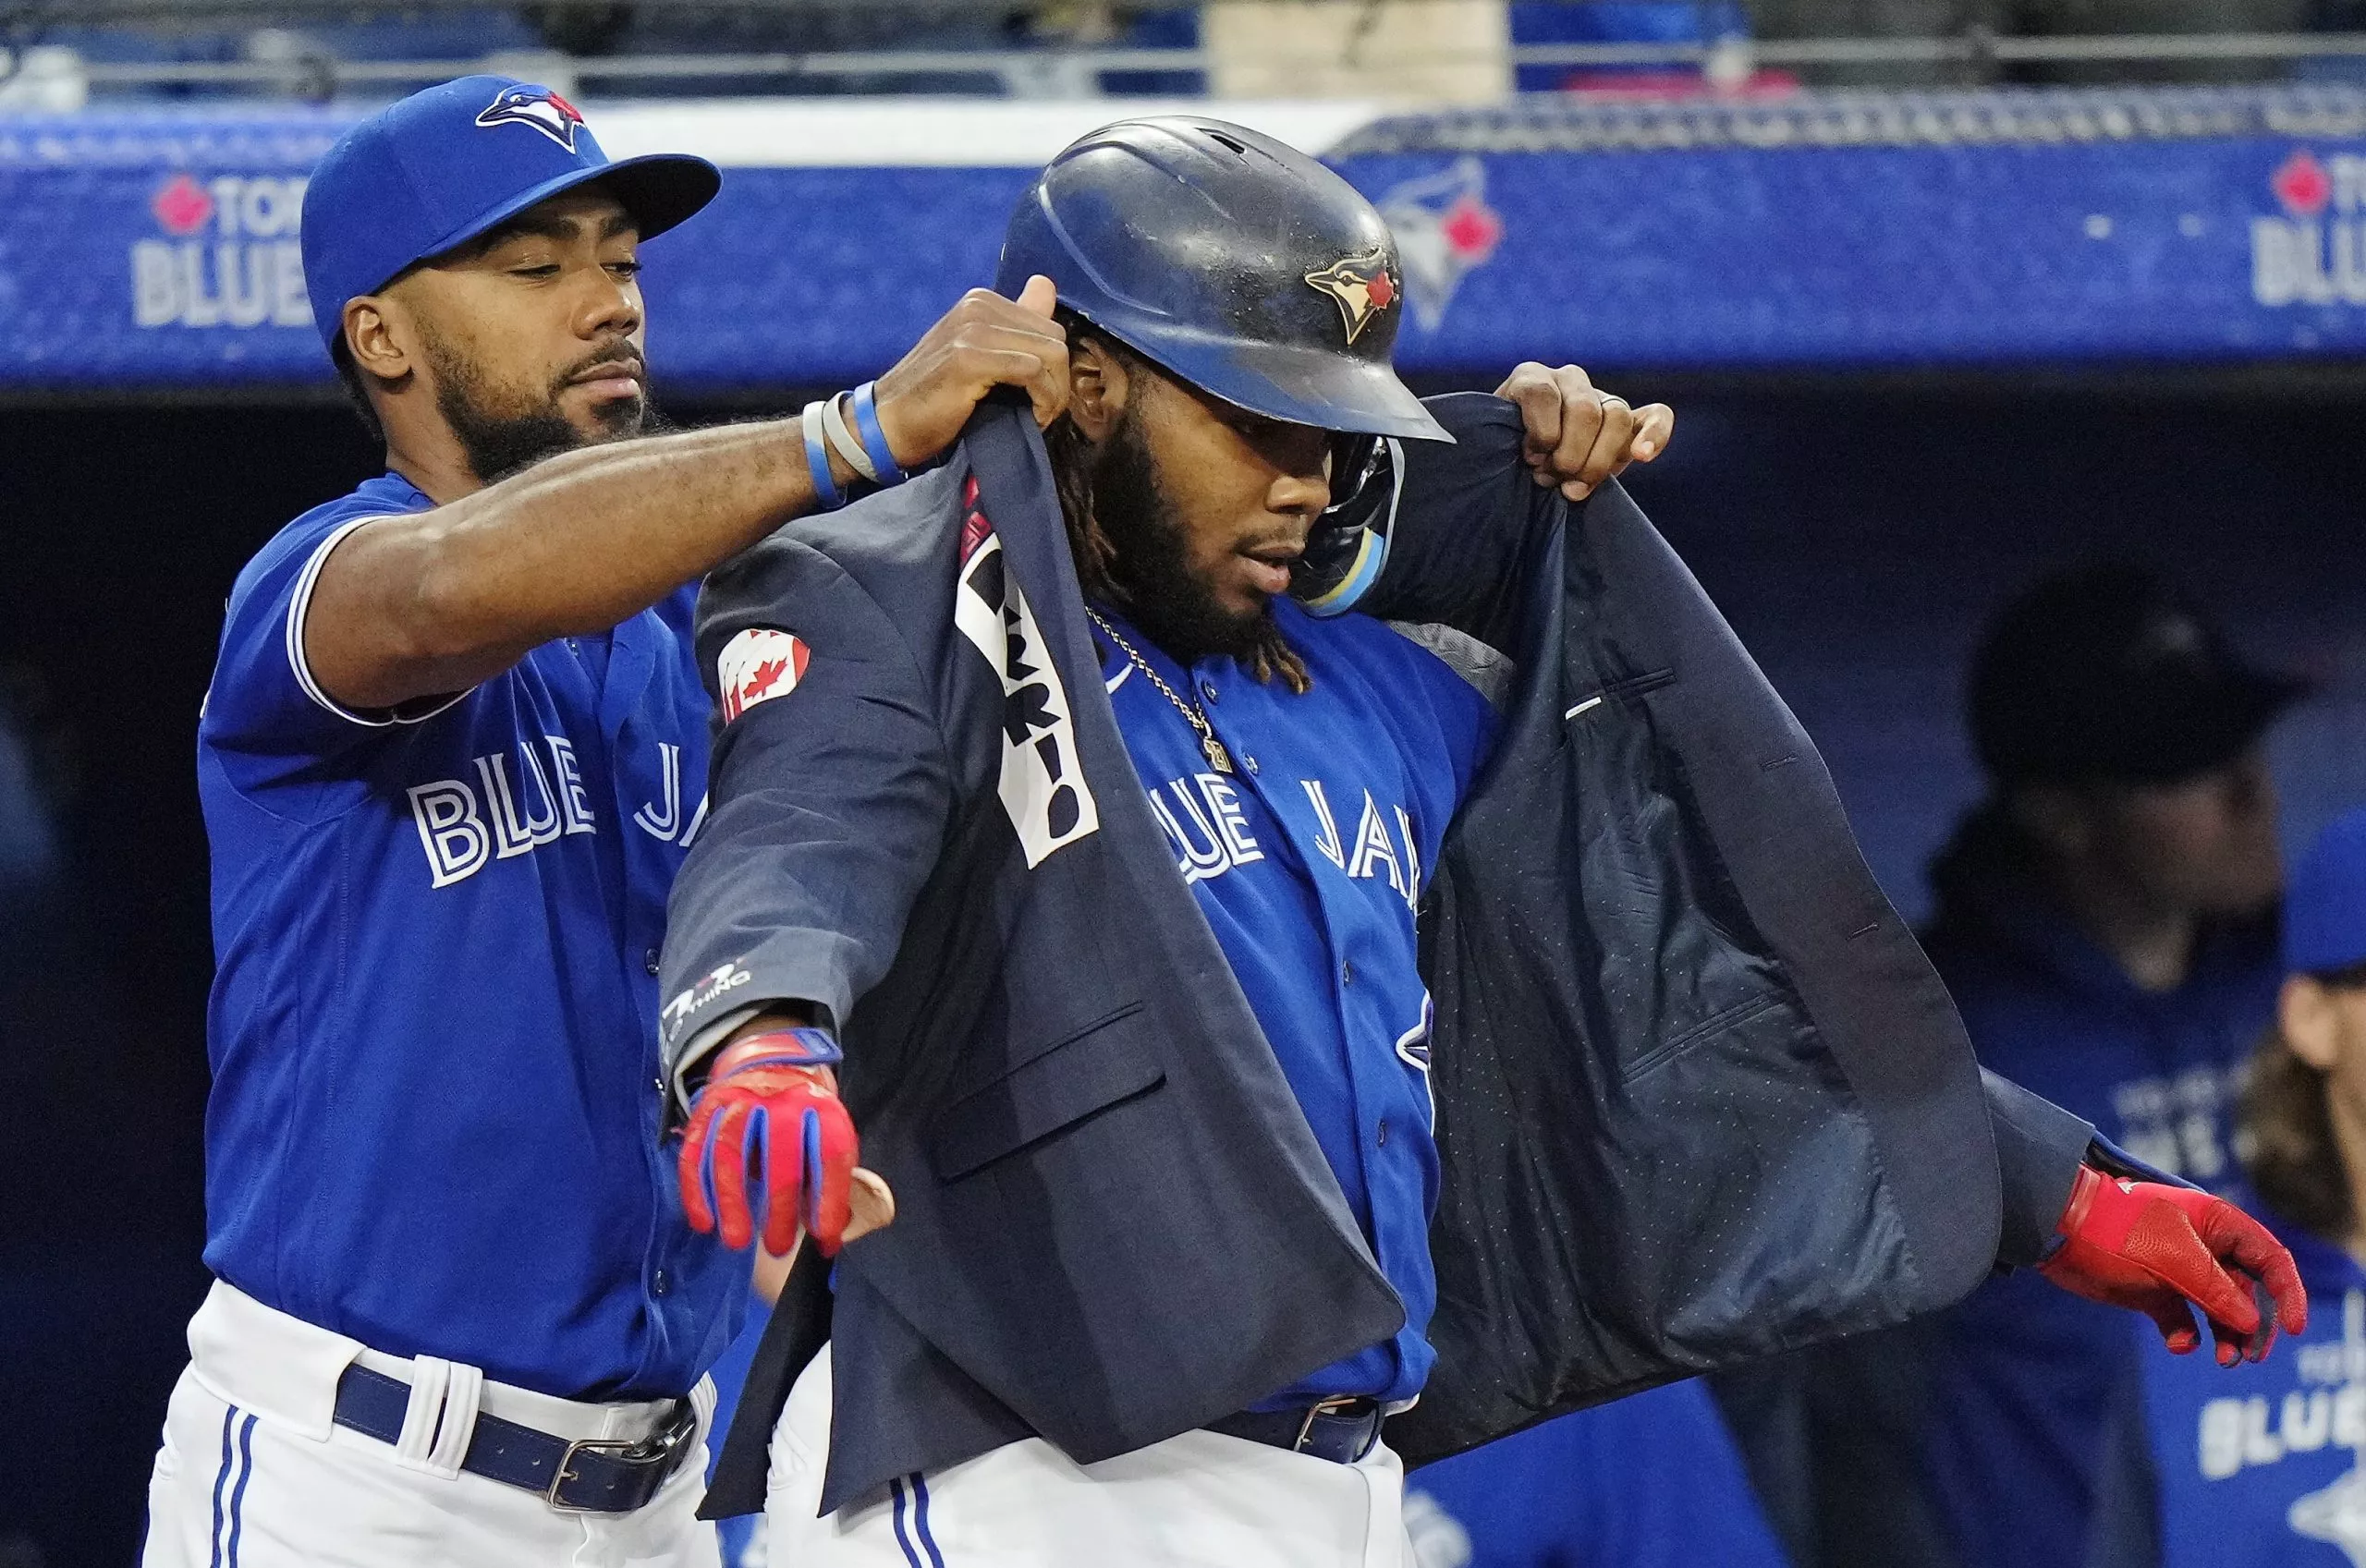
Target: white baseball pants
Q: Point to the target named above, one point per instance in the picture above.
(1199, 1501)
(254, 1474)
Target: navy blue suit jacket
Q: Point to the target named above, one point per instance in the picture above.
(1701, 1099)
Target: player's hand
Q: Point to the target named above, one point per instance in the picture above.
(2155, 1248)
(982, 343)
(770, 1111)
(1578, 434)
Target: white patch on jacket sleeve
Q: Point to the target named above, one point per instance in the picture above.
(756, 667)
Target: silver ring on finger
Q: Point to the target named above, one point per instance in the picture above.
(1607, 398)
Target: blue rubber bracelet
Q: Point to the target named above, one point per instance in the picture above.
(874, 440)
(817, 459)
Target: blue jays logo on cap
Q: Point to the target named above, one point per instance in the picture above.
(422, 176)
(537, 107)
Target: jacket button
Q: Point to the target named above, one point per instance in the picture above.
(649, 961)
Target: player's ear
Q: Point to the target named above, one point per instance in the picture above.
(372, 339)
(1098, 386)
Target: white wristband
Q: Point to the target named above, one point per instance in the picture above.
(834, 420)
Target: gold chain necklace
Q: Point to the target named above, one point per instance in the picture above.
(1193, 714)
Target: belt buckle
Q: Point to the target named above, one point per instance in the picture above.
(621, 1447)
(656, 1448)
(1330, 1406)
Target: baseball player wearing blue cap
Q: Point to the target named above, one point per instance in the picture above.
(453, 751)
(2263, 1468)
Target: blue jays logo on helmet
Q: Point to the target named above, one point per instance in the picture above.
(538, 107)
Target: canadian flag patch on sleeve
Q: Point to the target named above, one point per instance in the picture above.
(756, 667)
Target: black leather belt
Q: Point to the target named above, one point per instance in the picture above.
(579, 1476)
(1342, 1430)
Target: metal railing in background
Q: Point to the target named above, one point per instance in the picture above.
(1973, 50)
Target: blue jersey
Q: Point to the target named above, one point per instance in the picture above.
(1650, 1481)
(2157, 1072)
(1308, 860)
(2255, 1467)
(434, 1119)
(2025, 1371)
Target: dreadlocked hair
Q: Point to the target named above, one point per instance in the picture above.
(1270, 658)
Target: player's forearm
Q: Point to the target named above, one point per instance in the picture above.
(409, 607)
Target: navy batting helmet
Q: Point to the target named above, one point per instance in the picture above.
(1239, 263)
(1251, 272)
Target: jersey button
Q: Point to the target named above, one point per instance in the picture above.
(1208, 690)
(660, 1283)
(1249, 763)
(649, 960)
(1347, 974)
(1381, 1137)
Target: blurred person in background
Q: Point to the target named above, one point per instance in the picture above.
(1648, 1481)
(2262, 1469)
(2107, 924)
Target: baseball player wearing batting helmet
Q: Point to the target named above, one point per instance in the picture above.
(1259, 1031)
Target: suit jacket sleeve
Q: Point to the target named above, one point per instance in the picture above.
(830, 794)
(1466, 524)
(2039, 1148)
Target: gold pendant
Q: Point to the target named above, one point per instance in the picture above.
(1218, 758)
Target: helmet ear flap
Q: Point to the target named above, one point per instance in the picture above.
(1349, 544)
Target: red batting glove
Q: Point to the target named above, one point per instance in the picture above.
(771, 1103)
(2155, 1247)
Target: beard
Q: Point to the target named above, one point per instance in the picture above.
(504, 432)
(1151, 562)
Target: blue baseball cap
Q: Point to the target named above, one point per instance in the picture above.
(446, 164)
(2324, 902)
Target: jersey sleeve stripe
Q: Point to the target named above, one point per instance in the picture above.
(299, 604)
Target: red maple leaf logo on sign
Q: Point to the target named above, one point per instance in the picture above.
(2303, 185)
(766, 674)
(182, 206)
(1470, 228)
